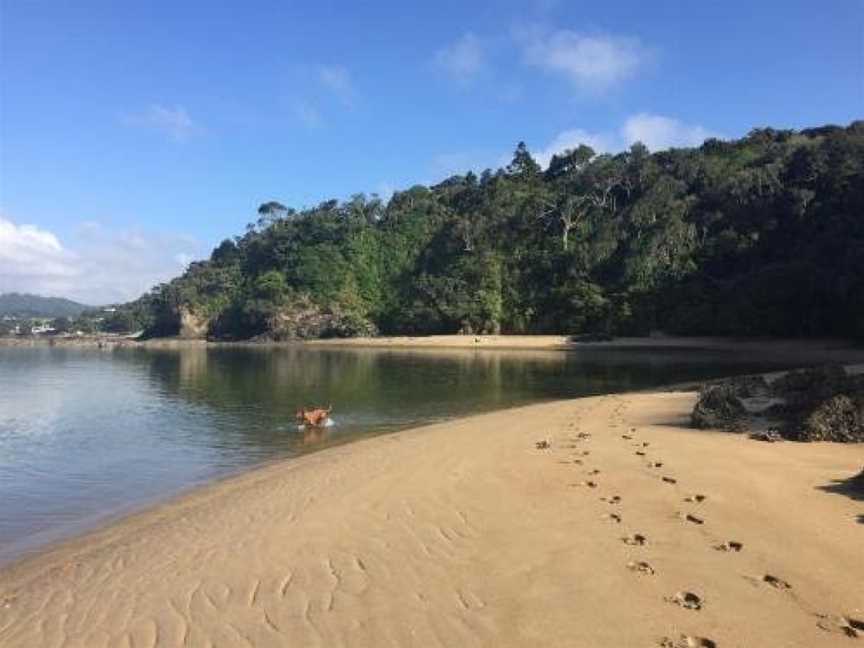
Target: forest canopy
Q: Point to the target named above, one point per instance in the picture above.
(758, 236)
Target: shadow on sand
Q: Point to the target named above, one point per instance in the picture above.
(853, 487)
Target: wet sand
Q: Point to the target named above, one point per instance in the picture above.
(467, 533)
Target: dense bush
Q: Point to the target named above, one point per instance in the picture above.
(759, 236)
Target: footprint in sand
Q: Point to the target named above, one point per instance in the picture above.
(585, 453)
(613, 517)
(626, 436)
(615, 499)
(670, 480)
(776, 583)
(541, 445)
(640, 453)
(852, 628)
(640, 566)
(589, 484)
(731, 545)
(594, 472)
(689, 517)
(687, 641)
(695, 498)
(577, 462)
(637, 539)
(655, 464)
(687, 600)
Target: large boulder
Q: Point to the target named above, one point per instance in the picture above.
(803, 388)
(718, 406)
(744, 386)
(840, 419)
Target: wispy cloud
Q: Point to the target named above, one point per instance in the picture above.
(98, 265)
(337, 79)
(174, 122)
(658, 132)
(308, 114)
(463, 59)
(591, 62)
(572, 139)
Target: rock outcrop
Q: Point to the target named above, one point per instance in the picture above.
(718, 406)
(192, 326)
(818, 404)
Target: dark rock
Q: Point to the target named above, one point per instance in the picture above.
(304, 319)
(839, 418)
(744, 386)
(718, 406)
(807, 386)
(777, 410)
(770, 436)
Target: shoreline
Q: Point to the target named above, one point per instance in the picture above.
(822, 350)
(449, 502)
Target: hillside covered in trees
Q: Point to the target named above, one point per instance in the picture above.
(27, 305)
(758, 236)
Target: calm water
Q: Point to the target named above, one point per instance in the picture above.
(87, 434)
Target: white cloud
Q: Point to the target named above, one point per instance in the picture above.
(174, 122)
(337, 80)
(99, 265)
(590, 62)
(571, 139)
(462, 60)
(654, 131)
(27, 252)
(658, 132)
(183, 259)
(385, 191)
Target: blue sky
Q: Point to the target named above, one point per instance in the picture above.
(135, 136)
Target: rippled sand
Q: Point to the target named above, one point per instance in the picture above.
(624, 528)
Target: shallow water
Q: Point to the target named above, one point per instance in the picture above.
(87, 434)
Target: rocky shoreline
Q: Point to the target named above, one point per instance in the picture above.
(818, 404)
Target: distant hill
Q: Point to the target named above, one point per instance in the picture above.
(25, 305)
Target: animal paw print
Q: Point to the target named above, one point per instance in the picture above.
(776, 583)
(852, 628)
(687, 641)
(687, 600)
(640, 566)
(730, 546)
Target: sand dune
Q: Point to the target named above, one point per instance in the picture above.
(627, 530)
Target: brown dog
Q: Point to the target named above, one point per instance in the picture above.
(315, 417)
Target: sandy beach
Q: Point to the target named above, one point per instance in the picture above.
(467, 534)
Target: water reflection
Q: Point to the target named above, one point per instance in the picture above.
(89, 433)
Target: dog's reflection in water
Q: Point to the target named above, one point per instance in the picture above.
(313, 434)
